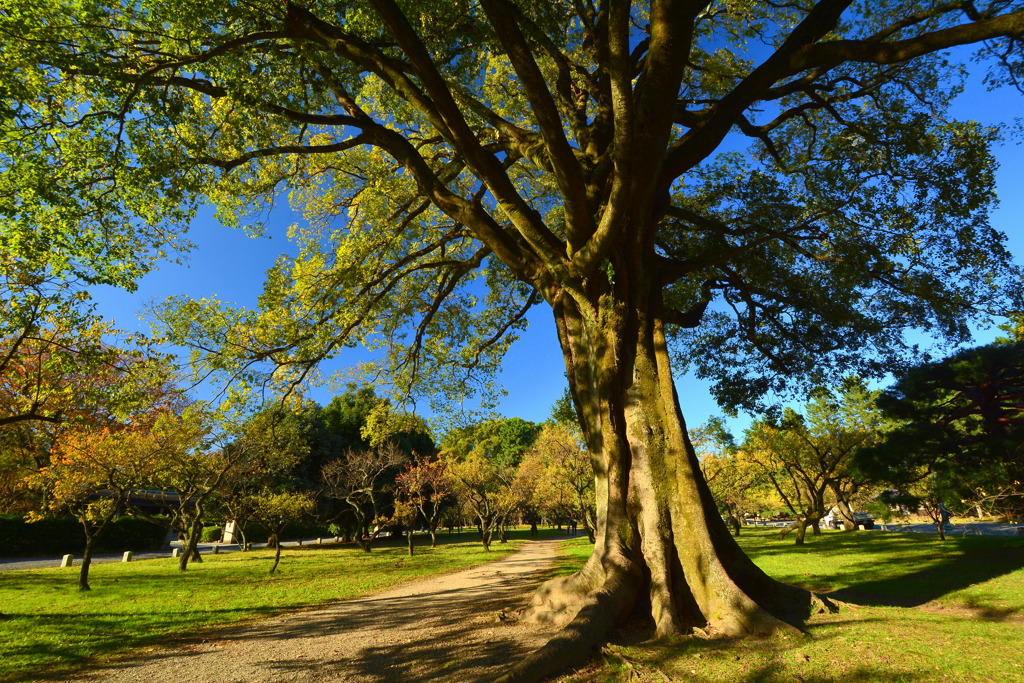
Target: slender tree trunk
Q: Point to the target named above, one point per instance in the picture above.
(276, 538)
(485, 533)
(83, 573)
(849, 524)
(409, 538)
(363, 536)
(733, 520)
(92, 536)
(190, 551)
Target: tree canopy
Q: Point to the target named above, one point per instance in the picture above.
(858, 209)
(961, 427)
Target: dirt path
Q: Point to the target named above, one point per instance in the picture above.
(440, 629)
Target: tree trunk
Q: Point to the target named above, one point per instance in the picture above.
(190, 550)
(276, 539)
(734, 522)
(800, 527)
(363, 536)
(83, 573)
(432, 529)
(661, 547)
(485, 533)
(847, 514)
(92, 535)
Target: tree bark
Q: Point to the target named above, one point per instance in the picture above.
(849, 524)
(83, 573)
(190, 551)
(485, 534)
(92, 535)
(276, 539)
(661, 548)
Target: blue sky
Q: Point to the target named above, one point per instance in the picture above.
(230, 265)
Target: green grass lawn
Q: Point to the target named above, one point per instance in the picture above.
(916, 609)
(50, 628)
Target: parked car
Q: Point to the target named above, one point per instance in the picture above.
(833, 520)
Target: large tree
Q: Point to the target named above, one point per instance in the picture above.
(961, 430)
(808, 456)
(461, 162)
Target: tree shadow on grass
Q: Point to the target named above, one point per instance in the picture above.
(975, 561)
(85, 635)
(762, 659)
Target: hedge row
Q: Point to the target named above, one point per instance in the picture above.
(62, 535)
(254, 533)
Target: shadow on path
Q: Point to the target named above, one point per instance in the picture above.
(446, 628)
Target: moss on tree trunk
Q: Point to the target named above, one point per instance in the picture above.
(661, 548)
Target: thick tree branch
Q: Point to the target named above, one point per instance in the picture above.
(698, 143)
(487, 167)
(565, 167)
(831, 53)
(620, 76)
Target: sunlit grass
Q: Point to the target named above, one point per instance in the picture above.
(51, 628)
(916, 609)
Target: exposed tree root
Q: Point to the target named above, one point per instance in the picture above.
(559, 600)
(592, 602)
(575, 644)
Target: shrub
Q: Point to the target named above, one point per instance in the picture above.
(211, 534)
(254, 533)
(62, 535)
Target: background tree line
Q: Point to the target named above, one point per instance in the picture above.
(945, 438)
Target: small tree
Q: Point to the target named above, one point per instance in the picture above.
(361, 479)
(805, 457)
(91, 477)
(565, 484)
(489, 488)
(426, 486)
(275, 510)
(93, 473)
(223, 444)
(267, 449)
